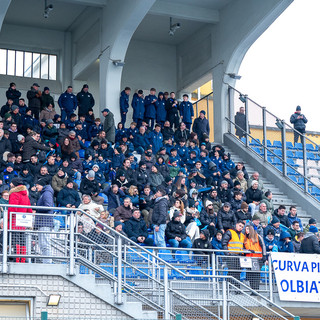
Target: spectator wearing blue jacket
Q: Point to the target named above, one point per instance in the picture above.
(275, 226)
(95, 128)
(138, 106)
(270, 242)
(217, 242)
(285, 243)
(182, 150)
(120, 132)
(293, 216)
(150, 106)
(161, 109)
(141, 141)
(71, 123)
(124, 104)
(67, 103)
(156, 138)
(186, 111)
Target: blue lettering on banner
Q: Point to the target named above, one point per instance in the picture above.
(305, 266)
(287, 285)
(300, 286)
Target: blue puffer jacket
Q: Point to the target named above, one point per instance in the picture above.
(68, 101)
(138, 106)
(141, 141)
(156, 139)
(299, 124)
(150, 107)
(45, 200)
(124, 102)
(186, 111)
(161, 109)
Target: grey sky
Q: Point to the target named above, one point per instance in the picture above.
(281, 70)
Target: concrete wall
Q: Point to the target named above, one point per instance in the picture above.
(75, 303)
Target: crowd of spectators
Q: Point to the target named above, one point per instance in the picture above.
(157, 181)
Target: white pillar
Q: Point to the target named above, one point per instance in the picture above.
(120, 19)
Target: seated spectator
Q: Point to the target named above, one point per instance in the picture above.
(270, 242)
(59, 181)
(93, 208)
(312, 222)
(255, 177)
(118, 226)
(68, 196)
(310, 243)
(155, 178)
(217, 242)
(115, 196)
(293, 216)
(285, 243)
(87, 222)
(91, 187)
(236, 201)
(208, 218)
(254, 196)
(264, 215)
(43, 175)
(203, 242)
(241, 179)
(275, 226)
(239, 167)
(243, 213)
(294, 229)
(49, 131)
(107, 219)
(136, 229)
(213, 197)
(176, 233)
(226, 218)
(124, 213)
(4, 200)
(32, 146)
(48, 113)
(255, 223)
(267, 199)
(280, 214)
(224, 193)
(297, 241)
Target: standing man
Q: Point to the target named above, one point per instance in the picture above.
(159, 217)
(233, 241)
(85, 101)
(172, 111)
(138, 107)
(13, 93)
(34, 98)
(201, 125)
(124, 104)
(150, 106)
(186, 111)
(108, 125)
(240, 121)
(46, 99)
(44, 218)
(299, 123)
(67, 103)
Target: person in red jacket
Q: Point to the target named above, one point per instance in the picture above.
(18, 195)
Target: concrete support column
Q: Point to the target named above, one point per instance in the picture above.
(120, 19)
(66, 65)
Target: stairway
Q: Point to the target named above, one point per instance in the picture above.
(279, 197)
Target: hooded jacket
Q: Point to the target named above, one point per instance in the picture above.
(160, 211)
(175, 229)
(226, 220)
(136, 228)
(310, 244)
(18, 195)
(202, 244)
(45, 200)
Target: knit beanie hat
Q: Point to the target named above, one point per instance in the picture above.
(91, 174)
(313, 229)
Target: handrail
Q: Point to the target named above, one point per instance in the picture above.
(204, 97)
(277, 118)
(268, 149)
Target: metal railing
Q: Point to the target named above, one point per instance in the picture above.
(143, 274)
(259, 127)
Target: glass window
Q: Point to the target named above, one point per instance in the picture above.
(44, 66)
(27, 64)
(35, 65)
(52, 67)
(3, 61)
(11, 62)
(19, 63)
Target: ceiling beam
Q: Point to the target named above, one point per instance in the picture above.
(186, 12)
(4, 8)
(92, 3)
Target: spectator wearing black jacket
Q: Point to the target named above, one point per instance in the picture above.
(239, 167)
(280, 213)
(13, 94)
(34, 100)
(224, 193)
(310, 243)
(254, 195)
(208, 218)
(85, 100)
(226, 217)
(5, 144)
(202, 243)
(68, 196)
(167, 131)
(91, 187)
(137, 230)
(243, 213)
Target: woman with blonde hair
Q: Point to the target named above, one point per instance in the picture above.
(134, 195)
(253, 242)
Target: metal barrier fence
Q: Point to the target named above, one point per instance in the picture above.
(165, 280)
(275, 141)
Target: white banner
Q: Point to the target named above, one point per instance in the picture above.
(297, 276)
(23, 220)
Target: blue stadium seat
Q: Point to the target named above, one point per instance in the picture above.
(269, 144)
(243, 139)
(277, 144)
(255, 143)
(81, 153)
(315, 191)
(257, 150)
(276, 161)
(279, 168)
(166, 256)
(299, 155)
(298, 146)
(278, 153)
(289, 145)
(292, 163)
(290, 154)
(309, 147)
(269, 159)
(310, 156)
(87, 144)
(292, 171)
(301, 180)
(105, 197)
(183, 257)
(293, 178)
